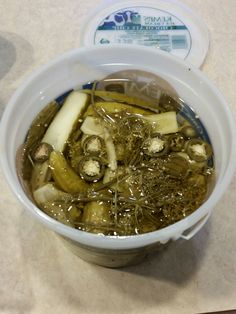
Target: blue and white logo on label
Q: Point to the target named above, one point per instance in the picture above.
(147, 27)
(122, 18)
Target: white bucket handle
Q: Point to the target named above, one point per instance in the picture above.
(195, 228)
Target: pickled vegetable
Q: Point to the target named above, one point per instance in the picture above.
(156, 146)
(93, 145)
(64, 175)
(34, 136)
(164, 123)
(49, 192)
(188, 132)
(62, 125)
(176, 142)
(96, 217)
(114, 107)
(118, 165)
(176, 166)
(41, 174)
(42, 152)
(198, 150)
(65, 213)
(91, 168)
(125, 98)
(92, 126)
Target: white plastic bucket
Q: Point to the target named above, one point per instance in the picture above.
(82, 65)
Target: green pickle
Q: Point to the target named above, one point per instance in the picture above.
(64, 175)
(131, 100)
(127, 166)
(96, 217)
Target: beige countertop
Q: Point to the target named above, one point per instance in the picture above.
(37, 273)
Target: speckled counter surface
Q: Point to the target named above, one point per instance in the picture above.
(37, 273)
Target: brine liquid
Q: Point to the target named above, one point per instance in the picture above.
(131, 164)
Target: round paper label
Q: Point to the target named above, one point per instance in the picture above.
(145, 26)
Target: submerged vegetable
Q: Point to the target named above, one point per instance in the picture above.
(176, 166)
(42, 152)
(114, 164)
(34, 136)
(114, 107)
(96, 217)
(91, 168)
(92, 126)
(156, 146)
(64, 175)
(93, 145)
(164, 123)
(176, 142)
(125, 98)
(41, 174)
(61, 127)
(49, 193)
(198, 149)
(188, 132)
(68, 214)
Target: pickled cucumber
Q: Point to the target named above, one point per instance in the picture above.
(164, 123)
(124, 98)
(96, 216)
(64, 176)
(114, 107)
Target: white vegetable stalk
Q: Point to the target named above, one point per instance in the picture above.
(59, 130)
(92, 126)
(48, 193)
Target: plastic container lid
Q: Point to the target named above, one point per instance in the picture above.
(165, 24)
